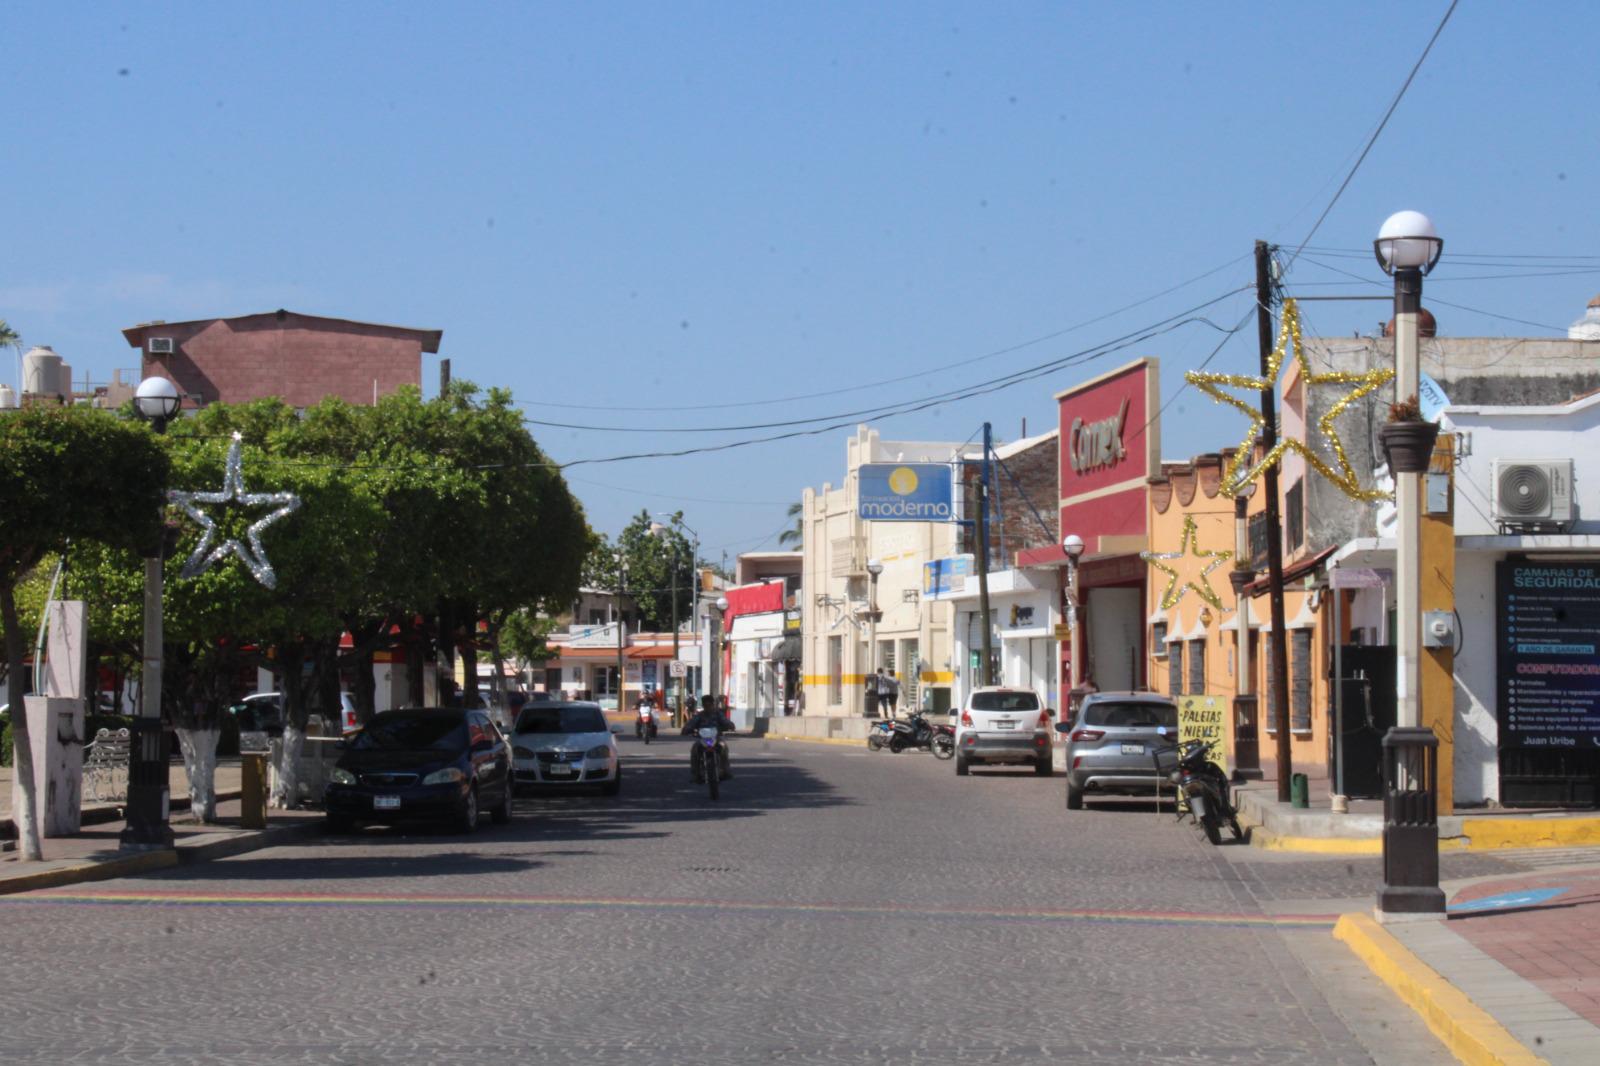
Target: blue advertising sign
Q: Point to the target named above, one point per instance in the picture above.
(905, 492)
(943, 577)
(1549, 644)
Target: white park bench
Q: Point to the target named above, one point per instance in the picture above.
(105, 766)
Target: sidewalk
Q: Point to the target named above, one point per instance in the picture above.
(226, 782)
(94, 854)
(1511, 975)
(1318, 829)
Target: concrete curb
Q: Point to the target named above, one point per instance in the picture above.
(1465, 1029)
(78, 873)
(1486, 835)
(163, 858)
(854, 742)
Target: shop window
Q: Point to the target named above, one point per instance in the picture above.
(1300, 680)
(1158, 640)
(1175, 668)
(910, 675)
(835, 670)
(1294, 515)
(1197, 667)
(1271, 692)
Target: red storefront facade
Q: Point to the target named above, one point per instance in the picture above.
(1110, 445)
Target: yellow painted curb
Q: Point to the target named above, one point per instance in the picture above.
(1260, 838)
(91, 871)
(1465, 1028)
(1487, 834)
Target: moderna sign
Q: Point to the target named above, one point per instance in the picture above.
(905, 492)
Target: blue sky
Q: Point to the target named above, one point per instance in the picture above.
(675, 216)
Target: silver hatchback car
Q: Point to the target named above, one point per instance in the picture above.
(1112, 744)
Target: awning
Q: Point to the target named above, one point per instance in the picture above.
(786, 650)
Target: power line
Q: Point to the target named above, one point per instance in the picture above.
(926, 371)
(879, 411)
(1378, 132)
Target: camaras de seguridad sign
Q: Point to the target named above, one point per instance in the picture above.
(905, 492)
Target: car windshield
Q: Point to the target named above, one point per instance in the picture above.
(408, 732)
(561, 720)
(1131, 714)
(1005, 701)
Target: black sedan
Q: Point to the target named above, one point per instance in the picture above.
(437, 764)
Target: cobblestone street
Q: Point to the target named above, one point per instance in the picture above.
(834, 906)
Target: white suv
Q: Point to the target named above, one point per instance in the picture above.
(1003, 725)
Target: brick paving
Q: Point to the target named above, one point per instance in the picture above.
(1555, 944)
(834, 907)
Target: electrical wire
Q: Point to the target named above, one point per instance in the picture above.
(869, 413)
(924, 372)
(1379, 131)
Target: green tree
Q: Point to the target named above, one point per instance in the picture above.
(67, 474)
(795, 535)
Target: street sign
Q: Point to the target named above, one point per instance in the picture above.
(679, 668)
(1063, 631)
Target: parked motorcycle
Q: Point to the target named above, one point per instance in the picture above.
(1205, 788)
(879, 734)
(913, 732)
(944, 742)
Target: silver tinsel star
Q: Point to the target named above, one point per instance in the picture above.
(254, 557)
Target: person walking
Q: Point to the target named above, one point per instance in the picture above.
(888, 692)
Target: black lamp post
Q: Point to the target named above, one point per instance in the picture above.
(157, 402)
(1408, 247)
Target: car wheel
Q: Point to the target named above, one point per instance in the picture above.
(502, 813)
(961, 765)
(614, 786)
(467, 819)
(1043, 767)
(1074, 798)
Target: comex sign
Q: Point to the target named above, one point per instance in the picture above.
(1097, 444)
(904, 492)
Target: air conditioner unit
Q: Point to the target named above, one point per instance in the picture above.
(1533, 493)
(160, 345)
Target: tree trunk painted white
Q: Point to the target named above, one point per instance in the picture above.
(286, 773)
(200, 763)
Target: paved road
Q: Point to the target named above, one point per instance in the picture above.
(835, 906)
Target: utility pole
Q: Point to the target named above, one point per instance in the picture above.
(1279, 651)
(983, 562)
(622, 588)
(444, 377)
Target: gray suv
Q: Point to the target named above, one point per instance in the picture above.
(1111, 744)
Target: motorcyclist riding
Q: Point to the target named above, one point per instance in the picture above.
(709, 717)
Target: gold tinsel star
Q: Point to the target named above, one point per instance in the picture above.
(1174, 592)
(1233, 478)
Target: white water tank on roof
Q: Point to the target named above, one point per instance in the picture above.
(64, 381)
(8, 398)
(41, 372)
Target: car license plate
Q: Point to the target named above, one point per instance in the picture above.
(1133, 749)
(1004, 723)
(560, 771)
(385, 803)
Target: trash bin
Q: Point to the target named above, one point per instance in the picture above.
(872, 704)
(253, 790)
(1299, 790)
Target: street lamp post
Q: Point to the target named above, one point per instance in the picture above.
(156, 401)
(874, 570)
(694, 600)
(1408, 247)
(1072, 546)
(721, 606)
